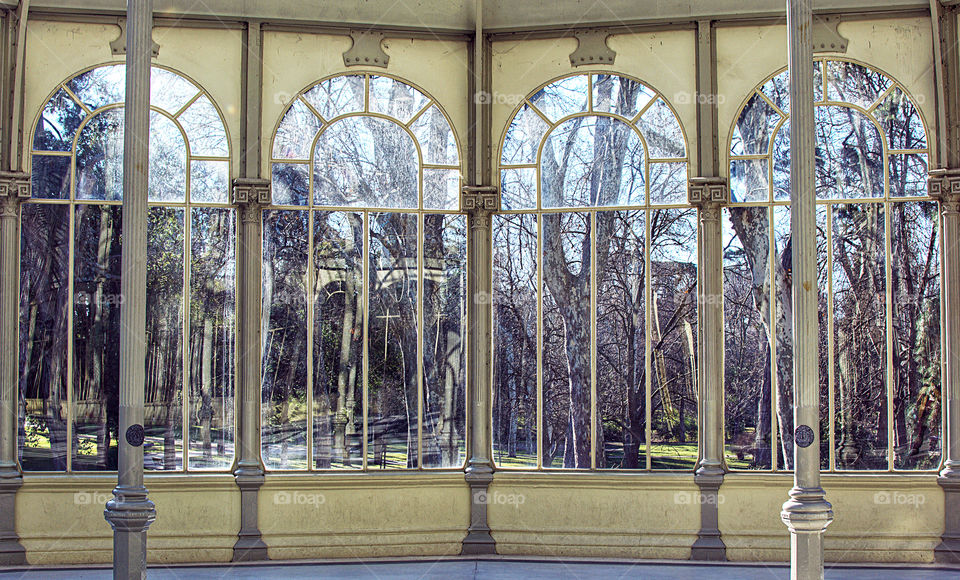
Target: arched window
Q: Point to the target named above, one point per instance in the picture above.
(70, 279)
(879, 275)
(364, 278)
(595, 273)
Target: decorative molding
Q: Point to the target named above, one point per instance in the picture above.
(706, 190)
(119, 46)
(592, 48)
(14, 189)
(944, 186)
(479, 199)
(250, 195)
(826, 35)
(366, 50)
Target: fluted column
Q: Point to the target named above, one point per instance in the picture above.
(945, 187)
(14, 189)
(709, 194)
(807, 513)
(130, 513)
(250, 196)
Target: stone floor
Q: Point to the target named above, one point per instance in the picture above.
(494, 569)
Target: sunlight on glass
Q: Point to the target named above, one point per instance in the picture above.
(295, 134)
(562, 98)
(337, 96)
(395, 99)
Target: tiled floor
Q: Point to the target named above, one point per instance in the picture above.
(494, 569)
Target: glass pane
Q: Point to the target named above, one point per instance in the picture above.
(901, 121)
(295, 135)
(96, 332)
(437, 143)
(621, 340)
(908, 175)
(749, 180)
(444, 340)
(209, 181)
(673, 331)
(853, 83)
(212, 338)
(366, 162)
(100, 157)
(518, 188)
(44, 299)
(338, 340)
(746, 323)
(592, 161)
(515, 340)
(291, 184)
(58, 123)
(51, 177)
(523, 138)
(392, 384)
(777, 90)
(860, 338)
(668, 183)
(661, 131)
(163, 392)
(284, 370)
(101, 86)
(619, 95)
(562, 98)
(754, 129)
(917, 399)
(170, 91)
(168, 160)
(394, 98)
(781, 163)
(849, 154)
(337, 96)
(204, 128)
(566, 340)
(441, 189)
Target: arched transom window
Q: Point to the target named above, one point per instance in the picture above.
(364, 278)
(70, 279)
(595, 272)
(879, 276)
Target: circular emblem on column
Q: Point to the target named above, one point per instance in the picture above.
(803, 436)
(135, 435)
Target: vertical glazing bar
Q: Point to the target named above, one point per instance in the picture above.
(366, 332)
(310, 286)
(593, 341)
(539, 220)
(888, 284)
(647, 324)
(185, 353)
(71, 262)
(831, 372)
(774, 384)
(420, 334)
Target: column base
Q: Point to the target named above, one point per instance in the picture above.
(948, 551)
(249, 546)
(709, 545)
(12, 553)
(478, 540)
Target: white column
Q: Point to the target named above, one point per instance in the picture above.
(945, 187)
(807, 513)
(130, 513)
(14, 188)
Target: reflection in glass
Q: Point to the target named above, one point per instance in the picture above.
(515, 340)
(393, 410)
(394, 98)
(338, 340)
(44, 300)
(50, 177)
(58, 123)
(564, 97)
(619, 95)
(284, 334)
(662, 132)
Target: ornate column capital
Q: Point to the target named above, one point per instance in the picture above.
(709, 194)
(944, 186)
(479, 201)
(250, 195)
(14, 189)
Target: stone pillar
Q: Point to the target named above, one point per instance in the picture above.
(130, 513)
(14, 189)
(944, 186)
(479, 202)
(807, 513)
(250, 196)
(710, 194)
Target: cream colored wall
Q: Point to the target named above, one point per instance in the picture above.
(747, 55)
(294, 61)
(665, 61)
(56, 51)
